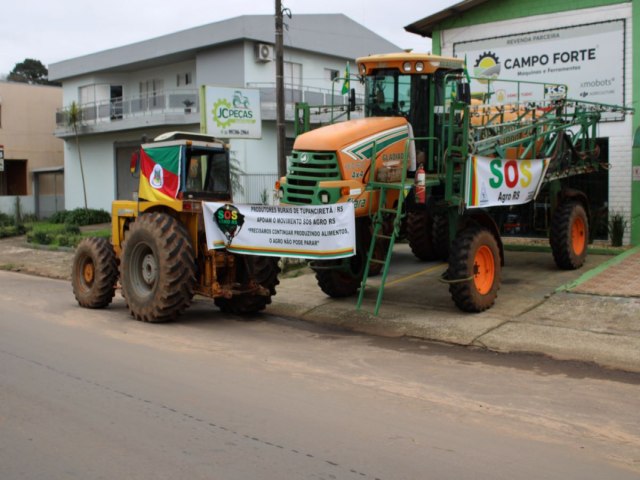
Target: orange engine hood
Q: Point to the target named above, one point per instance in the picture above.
(339, 135)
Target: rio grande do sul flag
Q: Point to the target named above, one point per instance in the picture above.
(160, 172)
(494, 182)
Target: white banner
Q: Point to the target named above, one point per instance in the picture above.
(315, 232)
(589, 59)
(494, 182)
(232, 112)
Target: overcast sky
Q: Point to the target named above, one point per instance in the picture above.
(51, 31)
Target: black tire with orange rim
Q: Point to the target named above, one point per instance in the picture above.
(94, 273)
(474, 269)
(569, 235)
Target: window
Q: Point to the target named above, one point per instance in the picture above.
(94, 93)
(292, 82)
(152, 93)
(292, 74)
(331, 74)
(208, 174)
(184, 79)
(95, 101)
(389, 93)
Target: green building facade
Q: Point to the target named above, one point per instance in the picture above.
(479, 23)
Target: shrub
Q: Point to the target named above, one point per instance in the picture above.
(40, 237)
(617, 226)
(6, 220)
(71, 228)
(65, 240)
(81, 217)
(58, 217)
(12, 230)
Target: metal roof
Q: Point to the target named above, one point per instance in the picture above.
(330, 34)
(427, 25)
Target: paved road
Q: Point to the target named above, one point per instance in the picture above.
(93, 394)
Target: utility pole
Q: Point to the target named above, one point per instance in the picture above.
(280, 120)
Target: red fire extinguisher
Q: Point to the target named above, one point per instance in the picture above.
(421, 185)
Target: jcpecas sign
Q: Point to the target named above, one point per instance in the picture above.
(494, 181)
(231, 112)
(314, 232)
(589, 59)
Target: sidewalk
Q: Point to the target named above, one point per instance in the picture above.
(590, 315)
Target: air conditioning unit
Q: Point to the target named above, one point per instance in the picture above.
(264, 52)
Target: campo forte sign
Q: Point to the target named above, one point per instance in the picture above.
(589, 59)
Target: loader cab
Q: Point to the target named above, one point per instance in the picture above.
(184, 166)
(206, 173)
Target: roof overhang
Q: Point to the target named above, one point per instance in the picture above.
(427, 25)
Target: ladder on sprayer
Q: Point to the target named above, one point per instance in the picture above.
(380, 221)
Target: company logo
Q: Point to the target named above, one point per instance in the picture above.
(487, 65)
(238, 110)
(304, 158)
(157, 177)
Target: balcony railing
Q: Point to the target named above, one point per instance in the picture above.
(188, 101)
(179, 101)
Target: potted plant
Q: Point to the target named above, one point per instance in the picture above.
(617, 226)
(187, 105)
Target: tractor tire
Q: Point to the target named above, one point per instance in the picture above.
(157, 268)
(94, 273)
(474, 268)
(420, 235)
(569, 235)
(262, 270)
(341, 278)
(440, 237)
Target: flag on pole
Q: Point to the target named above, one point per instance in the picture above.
(345, 85)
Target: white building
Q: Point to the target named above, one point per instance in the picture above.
(141, 90)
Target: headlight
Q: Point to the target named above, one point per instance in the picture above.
(419, 67)
(324, 197)
(406, 66)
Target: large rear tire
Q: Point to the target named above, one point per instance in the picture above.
(261, 270)
(420, 235)
(94, 273)
(474, 269)
(157, 268)
(569, 235)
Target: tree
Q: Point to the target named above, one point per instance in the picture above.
(30, 71)
(74, 117)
